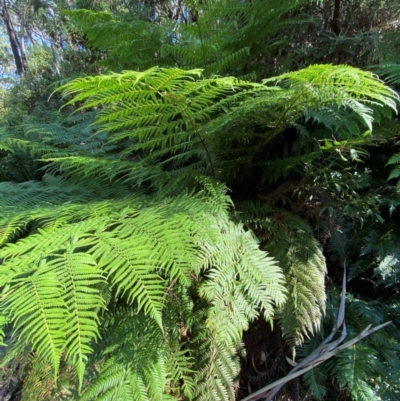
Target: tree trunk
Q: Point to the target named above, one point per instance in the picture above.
(21, 41)
(13, 40)
(335, 19)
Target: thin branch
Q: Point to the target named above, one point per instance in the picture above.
(324, 351)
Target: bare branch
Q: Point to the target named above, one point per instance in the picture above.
(324, 351)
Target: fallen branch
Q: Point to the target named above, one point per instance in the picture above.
(327, 349)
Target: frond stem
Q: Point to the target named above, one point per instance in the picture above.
(277, 125)
(203, 142)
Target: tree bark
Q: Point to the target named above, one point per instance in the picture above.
(21, 41)
(13, 40)
(335, 19)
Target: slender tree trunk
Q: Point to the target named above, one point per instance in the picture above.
(13, 39)
(335, 56)
(22, 41)
(335, 19)
(31, 37)
(22, 52)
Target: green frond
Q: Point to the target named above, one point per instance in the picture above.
(71, 323)
(173, 123)
(390, 71)
(395, 159)
(132, 272)
(117, 381)
(217, 371)
(290, 241)
(124, 38)
(80, 275)
(156, 377)
(143, 365)
(243, 278)
(42, 320)
(141, 248)
(349, 87)
(52, 202)
(242, 281)
(363, 392)
(305, 270)
(354, 367)
(315, 380)
(40, 371)
(395, 173)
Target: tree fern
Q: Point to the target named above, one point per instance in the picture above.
(133, 238)
(175, 120)
(173, 239)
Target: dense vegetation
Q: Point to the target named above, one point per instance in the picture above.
(184, 183)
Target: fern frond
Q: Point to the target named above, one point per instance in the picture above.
(54, 201)
(175, 119)
(140, 248)
(289, 240)
(315, 379)
(217, 367)
(117, 380)
(354, 367)
(72, 323)
(350, 88)
(390, 71)
(394, 159)
(42, 320)
(81, 295)
(259, 283)
(305, 270)
(143, 38)
(40, 370)
(133, 272)
(137, 356)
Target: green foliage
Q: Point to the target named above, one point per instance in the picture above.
(87, 264)
(290, 240)
(223, 38)
(174, 122)
(141, 362)
(141, 235)
(92, 244)
(390, 72)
